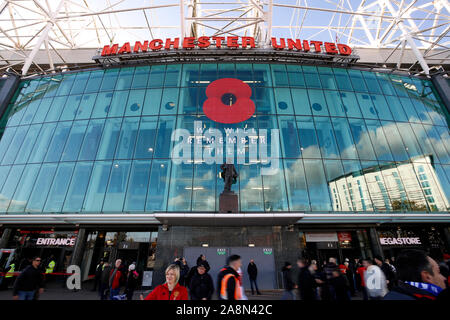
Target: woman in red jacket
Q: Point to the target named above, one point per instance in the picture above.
(171, 290)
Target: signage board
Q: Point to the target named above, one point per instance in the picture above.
(400, 241)
(55, 241)
(231, 42)
(147, 278)
(345, 236)
(321, 237)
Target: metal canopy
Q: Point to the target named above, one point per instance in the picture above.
(31, 26)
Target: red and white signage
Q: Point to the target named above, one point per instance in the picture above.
(228, 42)
(344, 236)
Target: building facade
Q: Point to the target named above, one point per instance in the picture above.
(126, 159)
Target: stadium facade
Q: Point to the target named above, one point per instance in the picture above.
(121, 159)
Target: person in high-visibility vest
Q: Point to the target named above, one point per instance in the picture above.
(229, 287)
(9, 275)
(51, 265)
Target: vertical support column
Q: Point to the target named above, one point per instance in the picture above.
(375, 242)
(5, 237)
(78, 250)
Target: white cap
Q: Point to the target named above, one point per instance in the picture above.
(131, 267)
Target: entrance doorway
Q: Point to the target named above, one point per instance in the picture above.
(217, 256)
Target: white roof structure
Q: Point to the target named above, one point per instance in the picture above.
(44, 35)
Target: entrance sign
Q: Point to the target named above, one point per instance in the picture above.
(321, 236)
(226, 42)
(400, 241)
(55, 241)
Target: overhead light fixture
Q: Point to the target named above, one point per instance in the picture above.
(251, 245)
(205, 245)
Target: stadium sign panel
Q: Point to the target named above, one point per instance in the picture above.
(226, 42)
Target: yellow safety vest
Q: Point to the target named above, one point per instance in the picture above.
(12, 268)
(50, 267)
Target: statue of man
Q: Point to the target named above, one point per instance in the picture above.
(229, 175)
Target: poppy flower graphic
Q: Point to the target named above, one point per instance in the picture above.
(228, 101)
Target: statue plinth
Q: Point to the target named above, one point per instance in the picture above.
(228, 202)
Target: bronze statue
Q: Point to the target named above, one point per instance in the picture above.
(229, 176)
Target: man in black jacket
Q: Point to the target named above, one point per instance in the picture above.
(419, 277)
(252, 271)
(201, 285)
(289, 285)
(387, 270)
(29, 280)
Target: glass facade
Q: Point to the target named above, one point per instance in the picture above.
(100, 141)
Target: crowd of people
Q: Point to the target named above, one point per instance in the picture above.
(412, 276)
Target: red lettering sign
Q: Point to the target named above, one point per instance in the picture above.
(229, 42)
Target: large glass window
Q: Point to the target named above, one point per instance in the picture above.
(24, 188)
(349, 140)
(250, 188)
(158, 186)
(180, 189)
(117, 186)
(317, 185)
(59, 187)
(297, 189)
(41, 188)
(77, 188)
(137, 186)
(204, 187)
(9, 187)
(95, 193)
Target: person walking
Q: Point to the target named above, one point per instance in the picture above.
(104, 281)
(171, 289)
(228, 280)
(350, 274)
(306, 282)
(387, 271)
(29, 281)
(201, 285)
(419, 277)
(132, 281)
(98, 275)
(116, 277)
(374, 280)
(360, 270)
(328, 293)
(252, 271)
(340, 285)
(289, 285)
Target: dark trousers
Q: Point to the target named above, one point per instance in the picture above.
(96, 283)
(103, 288)
(253, 281)
(129, 293)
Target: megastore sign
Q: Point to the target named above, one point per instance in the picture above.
(226, 42)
